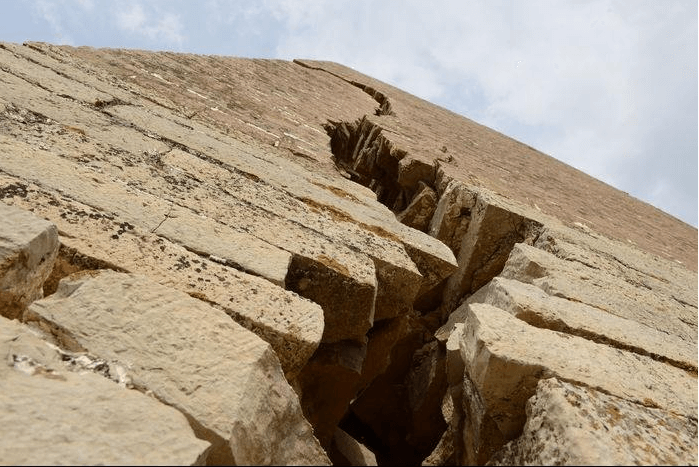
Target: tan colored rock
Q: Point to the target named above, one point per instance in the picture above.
(492, 231)
(348, 451)
(28, 250)
(50, 415)
(504, 359)
(534, 306)
(569, 424)
(92, 239)
(577, 282)
(453, 215)
(397, 277)
(420, 210)
(189, 355)
(201, 234)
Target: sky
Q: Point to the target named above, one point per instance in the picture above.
(609, 87)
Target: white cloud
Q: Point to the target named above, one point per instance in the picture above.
(51, 13)
(165, 26)
(596, 84)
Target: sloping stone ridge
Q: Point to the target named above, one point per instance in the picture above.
(279, 262)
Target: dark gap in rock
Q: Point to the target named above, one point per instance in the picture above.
(69, 261)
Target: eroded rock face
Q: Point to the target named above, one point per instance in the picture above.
(51, 415)
(429, 290)
(28, 249)
(188, 355)
(575, 425)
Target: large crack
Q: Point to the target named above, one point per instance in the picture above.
(385, 107)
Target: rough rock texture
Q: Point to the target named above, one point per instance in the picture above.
(188, 355)
(28, 249)
(504, 358)
(575, 425)
(417, 275)
(52, 415)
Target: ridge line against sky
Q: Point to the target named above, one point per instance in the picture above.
(608, 87)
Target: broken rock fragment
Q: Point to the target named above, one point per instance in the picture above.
(504, 358)
(28, 249)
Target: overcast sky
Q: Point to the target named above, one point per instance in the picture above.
(609, 87)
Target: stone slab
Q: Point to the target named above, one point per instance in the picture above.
(190, 356)
(291, 324)
(504, 359)
(532, 305)
(50, 415)
(201, 234)
(578, 282)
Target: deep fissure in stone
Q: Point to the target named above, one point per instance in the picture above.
(397, 414)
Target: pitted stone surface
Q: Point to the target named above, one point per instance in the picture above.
(50, 415)
(532, 305)
(574, 425)
(190, 356)
(601, 290)
(504, 358)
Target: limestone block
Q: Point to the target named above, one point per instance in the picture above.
(434, 260)
(50, 415)
(28, 250)
(348, 451)
(578, 282)
(91, 239)
(201, 234)
(532, 305)
(494, 228)
(420, 210)
(623, 260)
(190, 356)
(397, 276)
(452, 215)
(569, 424)
(505, 358)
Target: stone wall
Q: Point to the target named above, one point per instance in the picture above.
(276, 262)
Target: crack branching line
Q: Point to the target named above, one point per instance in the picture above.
(167, 216)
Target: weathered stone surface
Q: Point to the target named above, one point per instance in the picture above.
(93, 239)
(28, 249)
(348, 451)
(198, 233)
(452, 215)
(504, 358)
(569, 424)
(595, 287)
(50, 415)
(420, 210)
(491, 233)
(189, 355)
(532, 305)
(201, 171)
